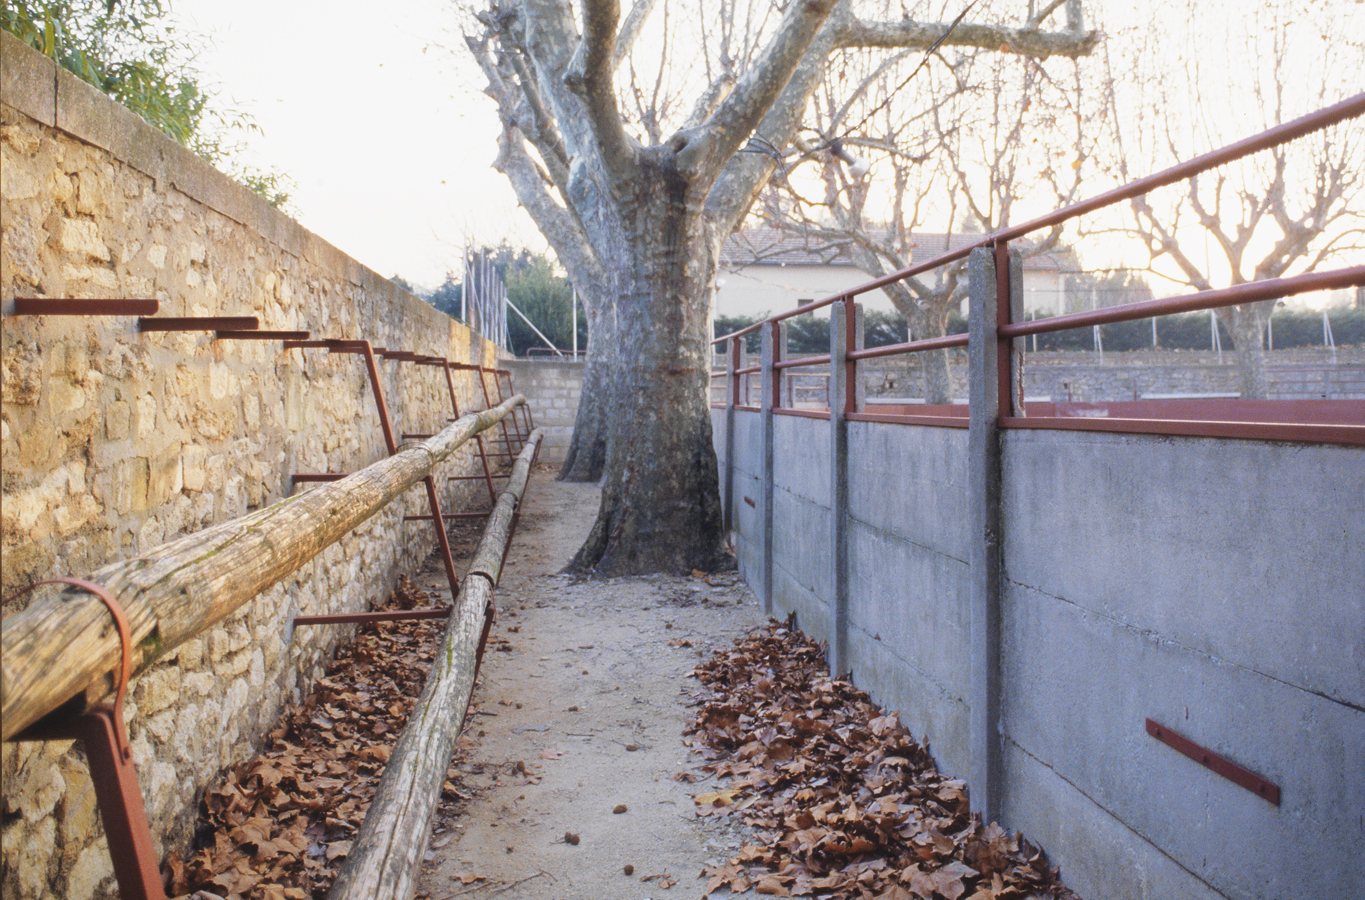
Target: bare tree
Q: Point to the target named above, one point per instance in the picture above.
(951, 145)
(637, 217)
(1193, 79)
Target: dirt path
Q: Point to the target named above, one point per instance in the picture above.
(580, 712)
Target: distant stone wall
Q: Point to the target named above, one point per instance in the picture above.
(114, 441)
(1300, 374)
(1304, 374)
(552, 389)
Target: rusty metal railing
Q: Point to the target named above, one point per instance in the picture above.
(1159, 417)
(57, 654)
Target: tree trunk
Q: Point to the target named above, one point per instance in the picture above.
(938, 385)
(660, 507)
(1247, 325)
(587, 456)
(925, 322)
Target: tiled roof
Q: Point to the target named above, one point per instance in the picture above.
(774, 247)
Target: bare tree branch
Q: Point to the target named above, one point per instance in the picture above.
(702, 155)
(922, 35)
(590, 75)
(630, 29)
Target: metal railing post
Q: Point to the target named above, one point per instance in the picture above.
(989, 391)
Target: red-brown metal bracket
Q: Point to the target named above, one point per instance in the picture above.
(478, 438)
(369, 352)
(43, 306)
(110, 758)
(198, 323)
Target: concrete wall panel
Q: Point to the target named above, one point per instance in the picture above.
(801, 457)
(910, 482)
(1053, 814)
(1248, 551)
(801, 543)
(1077, 689)
(1213, 585)
(913, 599)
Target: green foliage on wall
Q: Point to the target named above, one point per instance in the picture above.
(131, 50)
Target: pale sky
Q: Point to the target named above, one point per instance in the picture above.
(380, 125)
(377, 115)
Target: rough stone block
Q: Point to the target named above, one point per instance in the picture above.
(118, 420)
(157, 689)
(130, 484)
(164, 478)
(193, 466)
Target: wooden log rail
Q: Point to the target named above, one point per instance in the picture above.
(62, 651)
(387, 853)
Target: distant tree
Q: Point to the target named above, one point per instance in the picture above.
(546, 298)
(534, 286)
(949, 143)
(1278, 213)
(447, 297)
(130, 50)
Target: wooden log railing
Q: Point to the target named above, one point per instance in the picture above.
(387, 852)
(62, 651)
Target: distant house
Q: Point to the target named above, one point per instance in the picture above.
(764, 271)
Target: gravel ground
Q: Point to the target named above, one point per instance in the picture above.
(583, 699)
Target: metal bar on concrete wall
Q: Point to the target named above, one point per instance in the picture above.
(983, 491)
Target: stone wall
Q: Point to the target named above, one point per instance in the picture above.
(551, 388)
(113, 441)
(1300, 374)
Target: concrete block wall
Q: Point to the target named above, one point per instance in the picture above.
(112, 441)
(552, 388)
(1298, 374)
(1215, 586)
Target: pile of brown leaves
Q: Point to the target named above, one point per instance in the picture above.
(277, 827)
(844, 802)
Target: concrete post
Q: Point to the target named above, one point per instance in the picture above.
(732, 354)
(845, 333)
(774, 342)
(983, 449)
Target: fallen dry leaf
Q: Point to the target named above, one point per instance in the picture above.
(843, 801)
(280, 824)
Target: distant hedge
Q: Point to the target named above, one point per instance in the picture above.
(1192, 331)
(807, 335)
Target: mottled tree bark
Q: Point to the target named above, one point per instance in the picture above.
(587, 455)
(1247, 325)
(660, 507)
(643, 225)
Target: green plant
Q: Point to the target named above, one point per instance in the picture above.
(131, 50)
